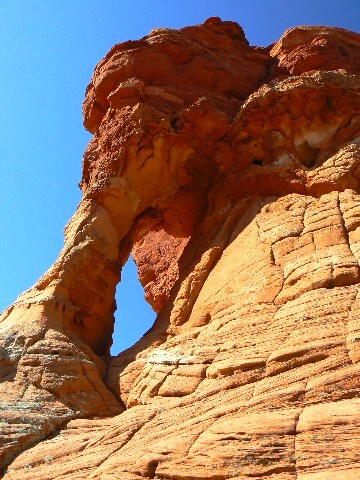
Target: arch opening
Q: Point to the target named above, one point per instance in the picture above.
(134, 316)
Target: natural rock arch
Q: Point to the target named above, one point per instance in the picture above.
(232, 173)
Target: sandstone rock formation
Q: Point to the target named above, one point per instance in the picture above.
(232, 173)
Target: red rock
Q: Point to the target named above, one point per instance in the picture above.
(239, 200)
(171, 69)
(303, 49)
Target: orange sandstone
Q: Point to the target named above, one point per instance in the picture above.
(232, 173)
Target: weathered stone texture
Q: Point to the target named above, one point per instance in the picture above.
(232, 173)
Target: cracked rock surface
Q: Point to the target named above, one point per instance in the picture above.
(232, 174)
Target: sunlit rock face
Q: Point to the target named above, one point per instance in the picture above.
(232, 174)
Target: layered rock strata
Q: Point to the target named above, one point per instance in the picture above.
(232, 173)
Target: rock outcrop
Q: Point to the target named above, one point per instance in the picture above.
(232, 173)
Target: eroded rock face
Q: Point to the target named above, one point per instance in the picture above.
(232, 174)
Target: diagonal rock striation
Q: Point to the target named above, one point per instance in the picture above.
(232, 174)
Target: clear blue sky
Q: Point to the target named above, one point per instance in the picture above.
(48, 49)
